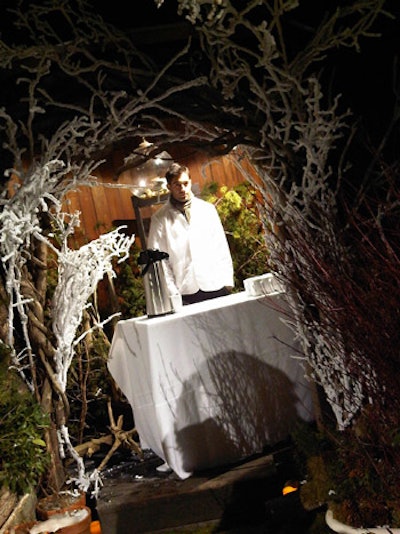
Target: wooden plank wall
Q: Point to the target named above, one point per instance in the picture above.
(110, 201)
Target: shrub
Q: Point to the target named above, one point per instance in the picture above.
(23, 457)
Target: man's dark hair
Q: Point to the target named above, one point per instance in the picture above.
(175, 170)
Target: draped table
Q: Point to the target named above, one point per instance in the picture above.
(213, 383)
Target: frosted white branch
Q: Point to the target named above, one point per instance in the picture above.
(79, 273)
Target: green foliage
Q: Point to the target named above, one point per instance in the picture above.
(129, 286)
(309, 441)
(23, 457)
(337, 474)
(237, 208)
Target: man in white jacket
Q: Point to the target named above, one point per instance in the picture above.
(190, 231)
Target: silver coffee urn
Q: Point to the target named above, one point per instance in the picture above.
(158, 301)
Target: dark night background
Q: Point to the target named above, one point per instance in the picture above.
(364, 78)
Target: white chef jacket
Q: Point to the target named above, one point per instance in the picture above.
(199, 255)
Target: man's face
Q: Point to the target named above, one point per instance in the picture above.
(181, 188)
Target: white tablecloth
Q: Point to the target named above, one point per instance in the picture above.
(213, 383)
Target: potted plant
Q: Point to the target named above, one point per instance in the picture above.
(76, 520)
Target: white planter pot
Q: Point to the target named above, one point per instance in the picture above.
(341, 528)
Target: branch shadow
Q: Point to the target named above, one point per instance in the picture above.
(253, 405)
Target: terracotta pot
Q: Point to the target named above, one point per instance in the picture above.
(73, 521)
(59, 502)
(83, 527)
